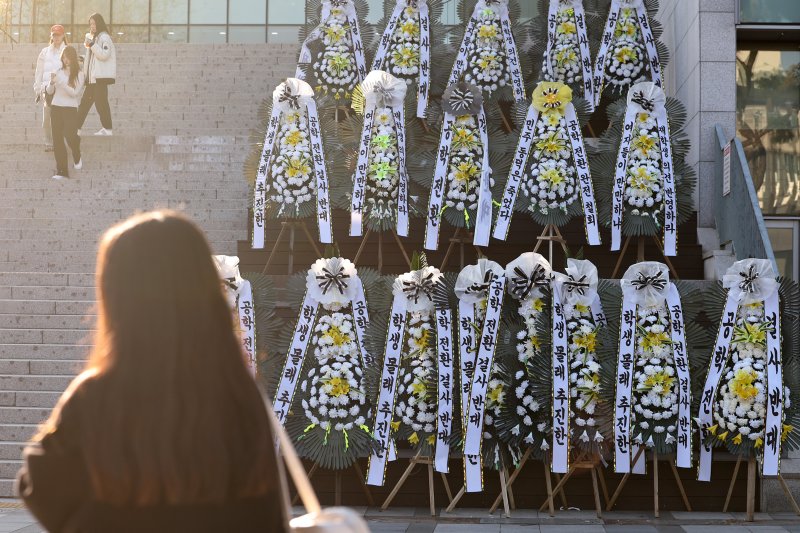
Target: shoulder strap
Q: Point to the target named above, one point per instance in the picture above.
(293, 464)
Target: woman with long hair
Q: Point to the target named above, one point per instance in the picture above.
(49, 61)
(100, 69)
(165, 429)
(66, 86)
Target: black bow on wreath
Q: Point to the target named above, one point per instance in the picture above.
(339, 3)
(639, 98)
(656, 281)
(577, 286)
(414, 290)
(748, 283)
(462, 98)
(522, 284)
(477, 288)
(329, 279)
(230, 283)
(287, 96)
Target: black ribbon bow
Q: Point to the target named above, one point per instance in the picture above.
(414, 290)
(287, 96)
(642, 282)
(477, 288)
(748, 283)
(329, 279)
(230, 283)
(639, 98)
(339, 3)
(461, 99)
(522, 284)
(577, 286)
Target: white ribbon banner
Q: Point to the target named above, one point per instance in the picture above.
(487, 344)
(361, 319)
(681, 359)
(321, 175)
(584, 176)
(653, 63)
(260, 197)
(719, 358)
(518, 164)
(360, 178)
(773, 429)
(598, 314)
(444, 334)
(355, 39)
(423, 81)
(402, 187)
(618, 195)
(561, 392)
(294, 358)
(483, 222)
(624, 385)
(468, 344)
(583, 43)
(247, 324)
(388, 389)
(436, 199)
(670, 199)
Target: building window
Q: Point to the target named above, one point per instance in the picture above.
(769, 12)
(767, 114)
(784, 234)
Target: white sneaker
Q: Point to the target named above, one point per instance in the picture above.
(59, 177)
(104, 133)
(79, 164)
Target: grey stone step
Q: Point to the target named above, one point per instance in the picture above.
(52, 323)
(33, 383)
(22, 415)
(21, 367)
(13, 450)
(52, 293)
(46, 336)
(46, 399)
(45, 307)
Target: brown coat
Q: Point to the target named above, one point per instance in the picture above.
(54, 482)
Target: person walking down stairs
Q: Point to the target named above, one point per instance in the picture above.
(49, 61)
(66, 86)
(100, 69)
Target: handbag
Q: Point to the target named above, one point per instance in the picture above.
(316, 519)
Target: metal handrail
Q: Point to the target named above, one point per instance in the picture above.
(738, 214)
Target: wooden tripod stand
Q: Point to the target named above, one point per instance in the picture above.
(751, 488)
(583, 462)
(418, 459)
(380, 248)
(292, 225)
(640, 242)
(337, 491)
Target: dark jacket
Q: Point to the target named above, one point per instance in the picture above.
(54, 482)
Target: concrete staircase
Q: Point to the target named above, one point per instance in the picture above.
(182, 116)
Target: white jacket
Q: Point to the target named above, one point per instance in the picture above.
(49, 61)
(101, 59)
(63, 94)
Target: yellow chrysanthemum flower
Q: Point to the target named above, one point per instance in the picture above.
(337, 337)
(659, 380)
(395, 425)
(550, 96)
(464, 138)
(294, 138)
(587, 341)
(759, 442)
(495, 394)
(487, 31)
(642, 179)
(742, 383)
(582, 309)
(626, 54)
(565, 55)
(422, 342)
(538, 304)
(751, 333)
(535, 342)
(654, 340)
(466, 171)
(644, 143)
(335, 33)
(298, 166)
(414, 438)
(431, 439)
(419, 389)
(410, 27)
(566, 28)
(553, 176)
(737, 439)
(552, 143)
(488, 62)
(406, 56)
(338, 387)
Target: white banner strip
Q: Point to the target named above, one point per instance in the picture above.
(360, 178)
(355, 37)
(361, 318)
(599, 78)
(316, 33)
(618, 196)
(294, 358)
(624, 385)
(483, 366)
(483, 222)
(444, 335)
(719, 358)
(680, 355)
(467, 344)
(560, 391)
(517, 171)
(581, 161)
(386, 38)
(597, 312)
(653, 63)
(260, 196)
(586, 56)
(773, 428)
(668, 184)
(437, 187)
(460, 63)
(512, 58)
(247, 324)
(402, 189)
(388, 387)
(321, 175)
(424, 81)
